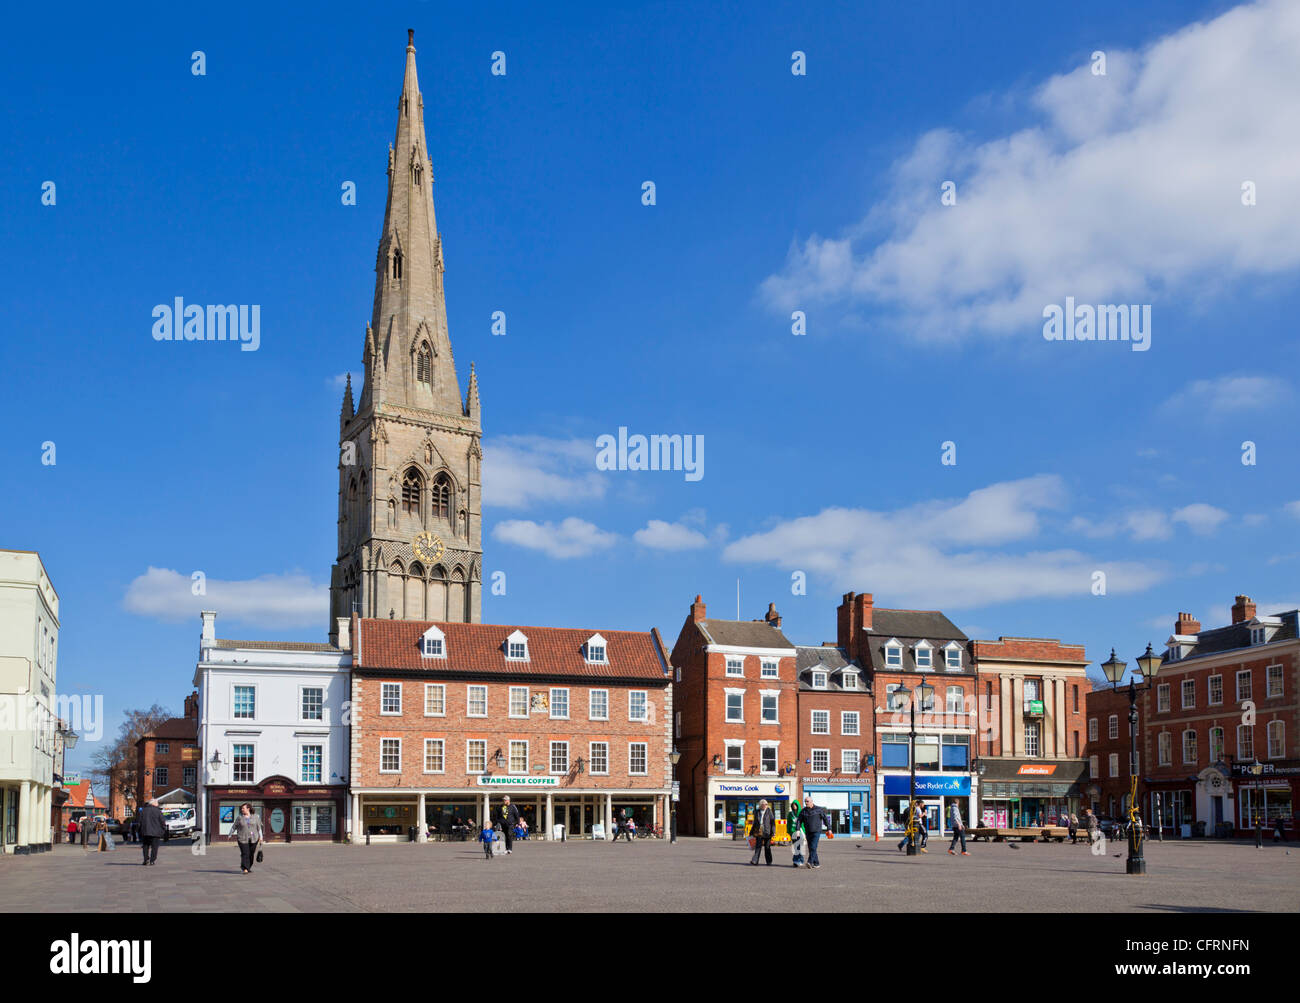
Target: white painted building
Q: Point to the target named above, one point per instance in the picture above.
(29, 644)
(273, 732)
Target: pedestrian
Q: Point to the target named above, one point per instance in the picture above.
(507, 817)
(761, 831)
(620, 825)
(1090, 823)
(1259, 831)
(813, 820)
(908, 815)
(135, 829)
(72, 830)
(152, 829)
(1279, 829)
(923, 822)
(1074, 828)
(486, 837)
(958, 827)
(247, 832)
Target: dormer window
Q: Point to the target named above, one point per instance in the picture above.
(433, 644)
(1175, 652)
(517, 647)
(893, 655)
(924, 659)
(952, 657)
(849, 680)
(819, 680)
(596, 650)
(1257, 635)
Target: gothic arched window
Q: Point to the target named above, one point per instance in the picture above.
(397, 264)
(411, 486)
(424, 364)
(442, 497)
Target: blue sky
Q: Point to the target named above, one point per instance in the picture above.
(775, 193)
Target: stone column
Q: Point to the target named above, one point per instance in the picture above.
(356, 818)
(1018, 715)
(1062, 748)
(25, 810)
(1006, 728)
(420, 827)
(609, 815)
(550, 815)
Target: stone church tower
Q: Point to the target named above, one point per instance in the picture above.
(410, 526)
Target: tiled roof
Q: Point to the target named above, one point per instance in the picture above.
(1236, 635)
(831, 660)
(77, 794)
(744, 634)
(276, 645)
(173, 727)
(479, 648)
(910, 626)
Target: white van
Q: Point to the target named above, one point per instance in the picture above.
(178, 822)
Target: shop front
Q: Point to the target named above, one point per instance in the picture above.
(733, 802)
(1269, 794)
(848, 805)
(1027, 794)
(937, 794)
(289, 811)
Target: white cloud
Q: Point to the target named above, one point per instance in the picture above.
(288, 600)
(1221, 616)
(1256, 519)
(1227, 395)
(660, 535)
(520, 470)
(1292, 508)
(1120, 188)
(1202, 519)
(571, 538)
(337, 382)
(926, 553)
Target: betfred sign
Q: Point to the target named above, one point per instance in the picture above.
(1035, 770)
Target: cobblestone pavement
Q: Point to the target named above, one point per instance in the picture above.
(653, 875)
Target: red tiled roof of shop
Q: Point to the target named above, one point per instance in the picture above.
(77, 794)
(480, 648)
(173, 727)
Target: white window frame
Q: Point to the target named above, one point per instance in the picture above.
(735, 666)
(960, 707)
(591, 712)
(1221, 745)
(564, 699)
(949, 650)
(1112, 727)
(890, 690)
(738, 744)
(776, 706)
(631, 759)
(1250, 685)
(928, 648)
(432, 688)
(1281, 742)
(645, 701)
(591, 759)
(514, 641)
(1183, 687)
(893, 647)
(812, 760)
(469, 699)
(1094, 767)
(442, 752)
(1246, 751)
(302, 695)
(234, 714)
(469, 758)
(554, 772)
(594, 647)
(510, 702)
(1195, 751)
(1112, 763)
(510, 757)
(844, 720)
(1165, 749)
(1257, 635)
(231, 752)
(812, 722)
(382, 740)
(819, 679)
(324, 759)
(1268, 681)
(1092, 729)
(775, 749)
(848, 680)
(854, 767)
(1211, 687)
(769, 668)
(1033, 740)
(428, 638)
(1164, 698)
(384, 692)
(728, 693)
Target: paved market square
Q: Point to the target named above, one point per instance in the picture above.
(695, 875)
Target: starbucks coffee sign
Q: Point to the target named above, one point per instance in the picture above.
(518, 781)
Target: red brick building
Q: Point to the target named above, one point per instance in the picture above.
(168, 757)
(837, 739)
(448, 718)
(1106, 791)
(1033, 705)
(898, 649)
(738, 717)
(1219, 741)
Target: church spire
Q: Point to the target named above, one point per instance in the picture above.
(410, 312)
(347, 410)
(471, 395)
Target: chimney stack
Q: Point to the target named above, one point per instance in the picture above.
(345, 632)
(865, 604)
(772, 616)
(697, 610)
(1187, 625)
(209, 634)
(1243, 609)
(192, 705)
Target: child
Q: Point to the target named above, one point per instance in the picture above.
(796, 846)
(486, 837)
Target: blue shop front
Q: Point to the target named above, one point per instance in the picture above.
(937, 793)
(847, 804)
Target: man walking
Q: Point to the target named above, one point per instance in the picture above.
(1090, 823)
(508, 817)
(763, 829)
(958, 827)
(152, 829)
(813, 820)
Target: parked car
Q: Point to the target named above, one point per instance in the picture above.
(179, 822)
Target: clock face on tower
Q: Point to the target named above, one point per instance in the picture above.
(428, 546)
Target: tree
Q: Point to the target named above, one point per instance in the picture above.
(115, 763)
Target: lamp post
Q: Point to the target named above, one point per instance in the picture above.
(926, 692)
(1148, 663)
(675, 757)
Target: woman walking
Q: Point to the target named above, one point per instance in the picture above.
(248, 833)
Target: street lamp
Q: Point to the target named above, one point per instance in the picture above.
(1148, 663)
(926, 693)
(674, 757)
